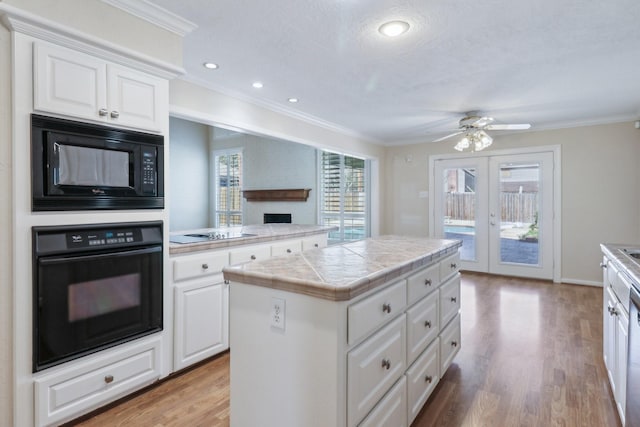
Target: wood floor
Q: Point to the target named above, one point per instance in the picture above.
(531, 356)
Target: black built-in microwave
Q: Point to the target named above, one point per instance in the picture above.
(81, 166)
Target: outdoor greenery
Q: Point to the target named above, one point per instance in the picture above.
(532, 233)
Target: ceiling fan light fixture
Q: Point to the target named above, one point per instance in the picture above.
(463, 144)
(394, 28)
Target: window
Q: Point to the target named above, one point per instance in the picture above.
(344, 196)
(228, 188)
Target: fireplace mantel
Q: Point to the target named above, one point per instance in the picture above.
(279, 195)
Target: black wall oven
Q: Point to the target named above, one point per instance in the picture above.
(94, 286)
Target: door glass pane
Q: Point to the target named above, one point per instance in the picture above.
(460, 209)
(519, 207)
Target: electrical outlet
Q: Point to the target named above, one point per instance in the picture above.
(278, 312)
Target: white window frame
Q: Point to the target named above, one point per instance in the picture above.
(215, 179)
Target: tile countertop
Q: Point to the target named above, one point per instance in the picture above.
(342, 272)
(627, 263)
(261, 233)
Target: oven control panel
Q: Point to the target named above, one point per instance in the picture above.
(83, 239)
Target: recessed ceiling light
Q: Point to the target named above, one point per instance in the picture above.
(394, 28)
(257, 85)
(292, 100)
(210, 65)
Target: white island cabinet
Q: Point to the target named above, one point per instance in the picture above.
(357, 334)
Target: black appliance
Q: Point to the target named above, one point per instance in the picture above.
(94, 286)
(632, 407)
(277, 218)
(80, 166)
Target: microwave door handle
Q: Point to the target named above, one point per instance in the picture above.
(118, 254)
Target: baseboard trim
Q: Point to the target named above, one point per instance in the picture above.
(581, 282)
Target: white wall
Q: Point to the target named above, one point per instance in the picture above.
(188, 175)
(273, 164)
(600, 189)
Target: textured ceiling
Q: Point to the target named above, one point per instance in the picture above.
(551, 63)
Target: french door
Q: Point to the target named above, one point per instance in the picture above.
(501, 207)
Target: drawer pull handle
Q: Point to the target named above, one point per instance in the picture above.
(205, 266)
(454, 265)
(108, 379)
(386, 363)
(386, 308)
(427, 324)
(253, 257)
(454, 343)
(427, 282)
(288, 251)
(103, 112)
(316, 245)
(454, 299)
(115, 114)
(428, 379)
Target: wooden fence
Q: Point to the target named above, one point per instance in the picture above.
(516, 207)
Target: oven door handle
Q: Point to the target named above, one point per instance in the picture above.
(115, 254)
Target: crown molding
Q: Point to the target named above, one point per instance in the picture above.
(156, 15)
(36, 26)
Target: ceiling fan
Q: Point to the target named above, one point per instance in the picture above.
(474, 126)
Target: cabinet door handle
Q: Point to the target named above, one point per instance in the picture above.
(427, 324)
(115, 114)
(386, 363)
(454, 299)
(386, 308)
(226, 281)
(603, 265)
(428, 379)
(427, 282)
(103, 112)
(108, 379)
(454, 265)
(454, 343)
(316, 245)
(205, 266)
(288, 251)
(253, 257)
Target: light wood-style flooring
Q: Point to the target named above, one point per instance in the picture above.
(531, 356)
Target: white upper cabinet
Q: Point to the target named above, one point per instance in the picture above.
(82, 86)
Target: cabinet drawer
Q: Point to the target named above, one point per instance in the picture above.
(252, 253)
(392, 409)
(373, 367)
(449, 344)
(449, 300)
(319, 241)
(372, 312)
(422, 378)
(284, 248)
(199, 265)
(70, 392)
(422, 325)
(423, 283)
(449, 266)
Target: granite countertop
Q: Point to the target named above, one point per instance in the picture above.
(260, 233)
(342, 272)
(616, 251)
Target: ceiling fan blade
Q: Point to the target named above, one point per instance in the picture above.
(448, 136)
(521, 126)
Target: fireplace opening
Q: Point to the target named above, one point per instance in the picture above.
(277, 218)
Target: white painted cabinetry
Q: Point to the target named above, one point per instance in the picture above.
(615, 331)
(64, 392)
(373, 360)
(82, 86)
(201, 297)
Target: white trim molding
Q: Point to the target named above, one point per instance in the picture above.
(155, 14)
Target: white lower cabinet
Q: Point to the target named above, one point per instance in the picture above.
(201, 321)
(449, 343)
(76, 388)
(391, 410)
(373, 367)
(422, 378)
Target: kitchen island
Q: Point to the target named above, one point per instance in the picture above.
(353, 334)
